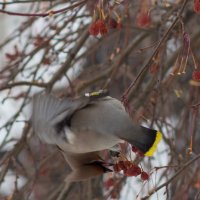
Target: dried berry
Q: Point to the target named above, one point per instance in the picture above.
(98, 27)
(100, 24)
(113, 23)
(103, 31)
(143, 19)
(93, 29)
(122, 165)
(196, 75)
(134, 149)
(144, 176)
(102, 27)
(133, 171)
(137, 169)
(197, 6)
(130, 172)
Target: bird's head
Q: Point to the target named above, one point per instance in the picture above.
(89, 170)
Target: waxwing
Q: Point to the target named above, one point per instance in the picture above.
(85, 165)
(83, 126)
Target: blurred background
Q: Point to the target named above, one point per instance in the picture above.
(146, 53)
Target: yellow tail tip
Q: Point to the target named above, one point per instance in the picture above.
(151, 151)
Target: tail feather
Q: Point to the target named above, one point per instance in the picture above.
(152, 149)
(147, 141)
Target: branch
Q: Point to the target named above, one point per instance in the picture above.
(67, 63)
(23, 83)
(172, 178)
(116, 64)
(49, 13)
(23, 1)
(164, 38)
(14, 152)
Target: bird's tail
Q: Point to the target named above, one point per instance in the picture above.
(153, 145)
(146, 141)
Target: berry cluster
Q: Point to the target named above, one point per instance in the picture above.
(130, 169)
(107, 16)
(101, 26)
(196, 75)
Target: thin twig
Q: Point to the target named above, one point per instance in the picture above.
(49, 13)
(172, 178)
(166, 35)
(22, 83)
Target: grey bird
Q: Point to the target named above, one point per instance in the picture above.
(85, 165)
(83, 126)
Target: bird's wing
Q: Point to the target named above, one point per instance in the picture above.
(48, 112)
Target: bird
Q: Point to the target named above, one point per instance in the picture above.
(81, 127)
(85, 165)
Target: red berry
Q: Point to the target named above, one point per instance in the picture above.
(122, 165)
(133, 171)
(134, 149)
(113, 23)
(196, 75)
(128, 164)
(143, 19)
(138, 170)
(101, 27)
(130, 172)
(100, 23)
(93, 29)
(197, 6)
(103, 30)
(144, 176)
